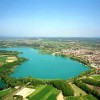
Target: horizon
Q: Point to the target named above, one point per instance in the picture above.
(14, 37)
(50, 18)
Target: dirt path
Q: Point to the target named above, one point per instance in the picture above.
(60, 96)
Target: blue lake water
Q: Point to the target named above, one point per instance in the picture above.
(46, 66)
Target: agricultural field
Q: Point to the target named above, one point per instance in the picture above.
(96, 77)
(87, 97)
(5, 92)
(45, 92)
(3, 59)
(11, 59)
(77, 90)
(9, 95)
(7, 59)
(25, 92)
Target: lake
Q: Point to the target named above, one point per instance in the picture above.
(46, 66)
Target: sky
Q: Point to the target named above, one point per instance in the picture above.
(50, 18)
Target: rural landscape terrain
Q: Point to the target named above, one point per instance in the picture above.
(49, 49)
(86, 86)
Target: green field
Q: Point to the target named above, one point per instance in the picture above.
(97, 77)
(44, 92)
(87, 97)
(5, 92)
(3, 59)
(75, 98)
(77, 90)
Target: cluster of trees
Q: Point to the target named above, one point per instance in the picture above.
(86, 88)
(91, 81)
(63, 86)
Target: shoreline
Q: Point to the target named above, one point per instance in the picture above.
(55, 55)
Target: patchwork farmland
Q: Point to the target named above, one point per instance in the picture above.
(77, 90)
(45, 92)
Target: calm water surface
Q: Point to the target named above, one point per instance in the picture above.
(46, 66)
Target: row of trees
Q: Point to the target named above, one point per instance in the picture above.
(91, 81)
(12, 82)
(86, 88)
(63, 86)
(4, 52)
